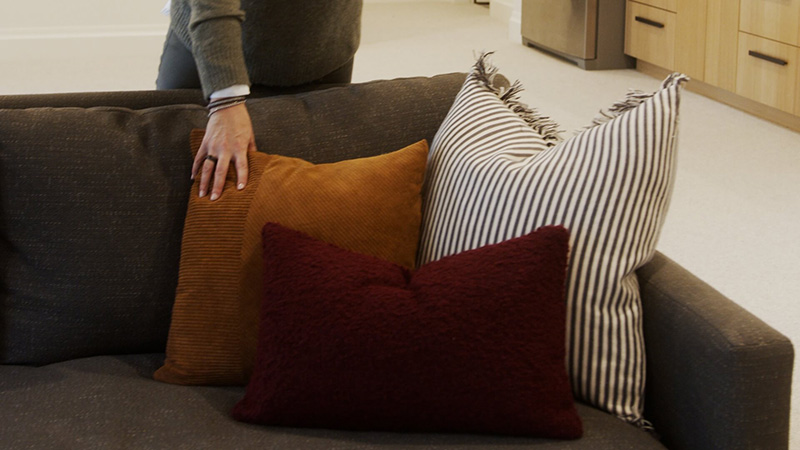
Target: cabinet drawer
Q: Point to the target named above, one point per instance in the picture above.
(767, 71)
(773, 19)
(669, 5)
(650, 34)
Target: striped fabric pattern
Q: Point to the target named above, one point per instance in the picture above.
(492, 178)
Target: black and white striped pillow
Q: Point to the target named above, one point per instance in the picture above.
(497, 171)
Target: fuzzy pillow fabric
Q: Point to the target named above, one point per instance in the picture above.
(470, 343)
(370, 205)
(489, 181)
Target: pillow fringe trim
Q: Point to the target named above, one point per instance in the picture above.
(484, 72)
(635, 98)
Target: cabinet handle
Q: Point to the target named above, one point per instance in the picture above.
(647, 21)
(771, 59)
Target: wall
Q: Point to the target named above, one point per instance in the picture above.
(43, 25)
(107, 41)
(509, 11)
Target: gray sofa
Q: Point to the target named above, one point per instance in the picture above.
(93, 192)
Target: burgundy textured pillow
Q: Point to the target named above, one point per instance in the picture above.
(473, 342)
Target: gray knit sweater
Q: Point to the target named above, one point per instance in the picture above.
(267, 42)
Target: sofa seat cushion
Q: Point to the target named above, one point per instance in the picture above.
(113, 402)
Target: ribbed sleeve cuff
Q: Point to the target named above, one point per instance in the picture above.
(217, 49)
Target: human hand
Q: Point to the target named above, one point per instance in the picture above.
(229, 136)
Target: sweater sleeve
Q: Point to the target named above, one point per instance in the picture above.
(215, 27)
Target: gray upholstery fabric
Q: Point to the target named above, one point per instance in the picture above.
(138, 99)
(111, 402)
(357, 120)
(126, 99)
(717, 376)
(93, 202)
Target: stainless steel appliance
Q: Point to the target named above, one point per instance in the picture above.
(590, 33)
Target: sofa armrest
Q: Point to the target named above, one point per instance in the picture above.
(717, 376)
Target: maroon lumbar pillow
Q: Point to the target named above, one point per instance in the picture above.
(473, 342)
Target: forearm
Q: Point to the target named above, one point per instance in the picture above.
(215, 28)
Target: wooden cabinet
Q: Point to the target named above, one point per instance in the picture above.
(767, 72)
(769, 53)
(667, 5)
(722, 34)
(690, 41)
(778, 20)
(650, 34)
(743, 52)
(797, 91)
(668, 33)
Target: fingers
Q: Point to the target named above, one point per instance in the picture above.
(198, 162)
(207, 168)
(241, 173)
(214, 171)
(220, 172)
(229, 137)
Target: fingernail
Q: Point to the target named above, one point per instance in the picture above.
(214, 196)
(241, 186)
(202, 193)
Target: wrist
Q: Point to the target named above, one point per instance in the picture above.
(220, 104)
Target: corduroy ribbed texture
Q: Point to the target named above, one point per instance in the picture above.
(212, 242)
(368, 205)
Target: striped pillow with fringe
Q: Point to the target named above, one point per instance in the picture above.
(498, 170)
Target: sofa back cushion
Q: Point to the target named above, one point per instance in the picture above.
(92, 204)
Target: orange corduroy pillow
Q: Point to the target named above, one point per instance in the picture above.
(367, 205)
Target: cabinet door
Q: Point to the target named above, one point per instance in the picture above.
(767, 72)
(773, 19)
(690, 38)
(797, 88)
(722, 46)
(650, 35)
